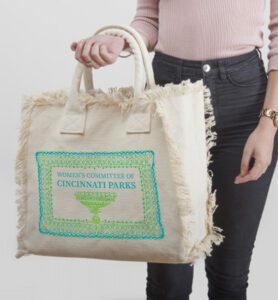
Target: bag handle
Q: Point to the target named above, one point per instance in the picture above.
(74, 117)
(126, 32)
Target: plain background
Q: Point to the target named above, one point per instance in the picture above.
(36, 56)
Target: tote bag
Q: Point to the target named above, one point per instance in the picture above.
(120, 174)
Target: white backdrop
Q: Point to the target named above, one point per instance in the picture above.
(35, 56)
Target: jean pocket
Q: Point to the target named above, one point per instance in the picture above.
(165, 72)
(248, 75)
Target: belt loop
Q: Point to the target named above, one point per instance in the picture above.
(222, 70)
(260, 53)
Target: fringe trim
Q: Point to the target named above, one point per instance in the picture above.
(123, 98)
(120, 96)
(214, 235)
(21, 176)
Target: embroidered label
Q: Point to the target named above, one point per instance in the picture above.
(99, 194)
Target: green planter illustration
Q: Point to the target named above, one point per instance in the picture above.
(94, 201)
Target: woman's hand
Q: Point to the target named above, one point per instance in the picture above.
(100, 50)
(260, 146)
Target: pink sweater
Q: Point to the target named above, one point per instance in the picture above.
(207, 29)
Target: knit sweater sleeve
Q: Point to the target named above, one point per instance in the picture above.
(273, 37)
(145, 20)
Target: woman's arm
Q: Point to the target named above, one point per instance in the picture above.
(271, 97)
(273, 37)
(145, 21)
(260, 143)
(103, 50)
(271, 101)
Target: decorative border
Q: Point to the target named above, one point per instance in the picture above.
(150, 228)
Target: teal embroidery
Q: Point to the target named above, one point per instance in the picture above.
(150, 227)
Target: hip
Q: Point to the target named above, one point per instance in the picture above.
(237, 84)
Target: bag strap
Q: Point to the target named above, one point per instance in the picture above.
(74, 117)
(126, 31)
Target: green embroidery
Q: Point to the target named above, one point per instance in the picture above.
(94, 201)
(150, 227)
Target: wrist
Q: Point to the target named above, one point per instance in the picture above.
(126, 48)
(266, 124)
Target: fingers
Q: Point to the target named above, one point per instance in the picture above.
(259, 146)
(244, 166)
(93, 54)
(259, 168)
(73, 46)
(82, 53)
(88, 50)
(78, 51)
(90, 53)
(253, 174)
(108, 57)
(245, 161)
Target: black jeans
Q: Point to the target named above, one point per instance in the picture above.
(238, 86)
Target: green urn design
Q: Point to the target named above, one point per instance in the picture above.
(94, 201)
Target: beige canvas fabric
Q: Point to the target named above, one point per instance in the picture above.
(119, 174)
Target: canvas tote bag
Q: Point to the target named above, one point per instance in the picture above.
(120, 174)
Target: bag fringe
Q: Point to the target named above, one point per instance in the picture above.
(214, 235)
(21, 176)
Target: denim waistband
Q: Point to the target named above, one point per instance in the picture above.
(230, 63)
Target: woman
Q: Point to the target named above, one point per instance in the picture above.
(217, 41)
